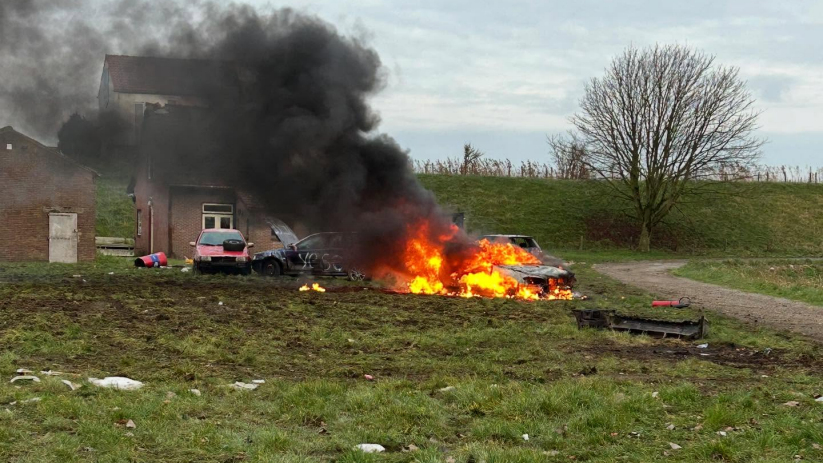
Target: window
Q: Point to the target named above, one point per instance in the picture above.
(218, 208)
(8, 146)
(139, 222)
(218, 216)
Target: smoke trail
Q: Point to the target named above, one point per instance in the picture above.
(296, 129)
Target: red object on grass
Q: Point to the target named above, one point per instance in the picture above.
(678, 304)
(157, 259)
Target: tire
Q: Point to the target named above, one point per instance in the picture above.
(271, 268)
(354, 274)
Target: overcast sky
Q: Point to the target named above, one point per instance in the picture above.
(505, 74)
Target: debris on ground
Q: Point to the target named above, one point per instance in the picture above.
(370, 448)
(674, 446)
(699, 427)
(670, 427)
(411, 448)
(244, 386)
(721, 433)
(703, 346)
(70, 384)
(447, 389)
(525, 437)
(130, 424)
(25, 378)
(33, 399)
(117, 382)
(23, 371)
(607, 318)
(258, 381)
(185, 269)
(369, 377)
(791, 403)
(818, 398)
(655, 395)
(51, 373)
(195, 392)
(551, 453)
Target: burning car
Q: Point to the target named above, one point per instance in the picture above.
(322, 254)
(485, 269)
(221, 249)
(527, 243)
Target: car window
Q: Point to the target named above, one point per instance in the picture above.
(311, 242)
(531, 242)
(217, 238)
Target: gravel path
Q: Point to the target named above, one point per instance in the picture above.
(783, 314)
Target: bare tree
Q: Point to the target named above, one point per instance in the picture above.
(570, 156)
(470, 157)
(661, 118)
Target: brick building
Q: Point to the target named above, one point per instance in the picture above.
(47, 203)
(180, 187)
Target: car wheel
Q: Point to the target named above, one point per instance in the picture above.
(271, 268)
(355, 274)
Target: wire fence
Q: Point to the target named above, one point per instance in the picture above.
(536, 169)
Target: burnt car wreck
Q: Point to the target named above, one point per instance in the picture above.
(320, 254)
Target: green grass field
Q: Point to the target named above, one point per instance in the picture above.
(792, 279)
(514, 368)
(745, 219)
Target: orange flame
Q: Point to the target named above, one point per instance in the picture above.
(471, 276)
(314, 287)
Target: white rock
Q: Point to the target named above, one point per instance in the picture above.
(819, 399)
(23, 371)
(674, 446)
(259, 381)
(371, 448)
(195, 392)
(244, 386)
(70, 384)
(655, 394)
(130, 424)
(447, 388)
(721, 433)
(670, 427)
(25, 378)
(51, 373)
(185, 269)
(525, 437)
(117, 382)
(220, 303)
(703, 346)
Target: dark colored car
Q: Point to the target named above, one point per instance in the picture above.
(221, 249)
(325, 254)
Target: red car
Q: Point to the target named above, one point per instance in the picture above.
(221, 249)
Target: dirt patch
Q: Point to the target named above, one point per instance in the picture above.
(725, 355)
(754, 309)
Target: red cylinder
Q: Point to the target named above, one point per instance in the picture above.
(664, 303)
(157, 259)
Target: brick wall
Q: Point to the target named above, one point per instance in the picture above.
(34, 181)
(186, 215)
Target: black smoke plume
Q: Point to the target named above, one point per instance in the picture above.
(296, 129)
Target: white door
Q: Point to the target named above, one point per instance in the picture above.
(63, 238)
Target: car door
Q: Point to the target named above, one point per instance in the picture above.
(329, 258)
(304, 257)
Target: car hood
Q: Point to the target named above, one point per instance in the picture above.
(219, 251)
(521, 272)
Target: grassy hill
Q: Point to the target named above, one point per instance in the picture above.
(746, 219)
